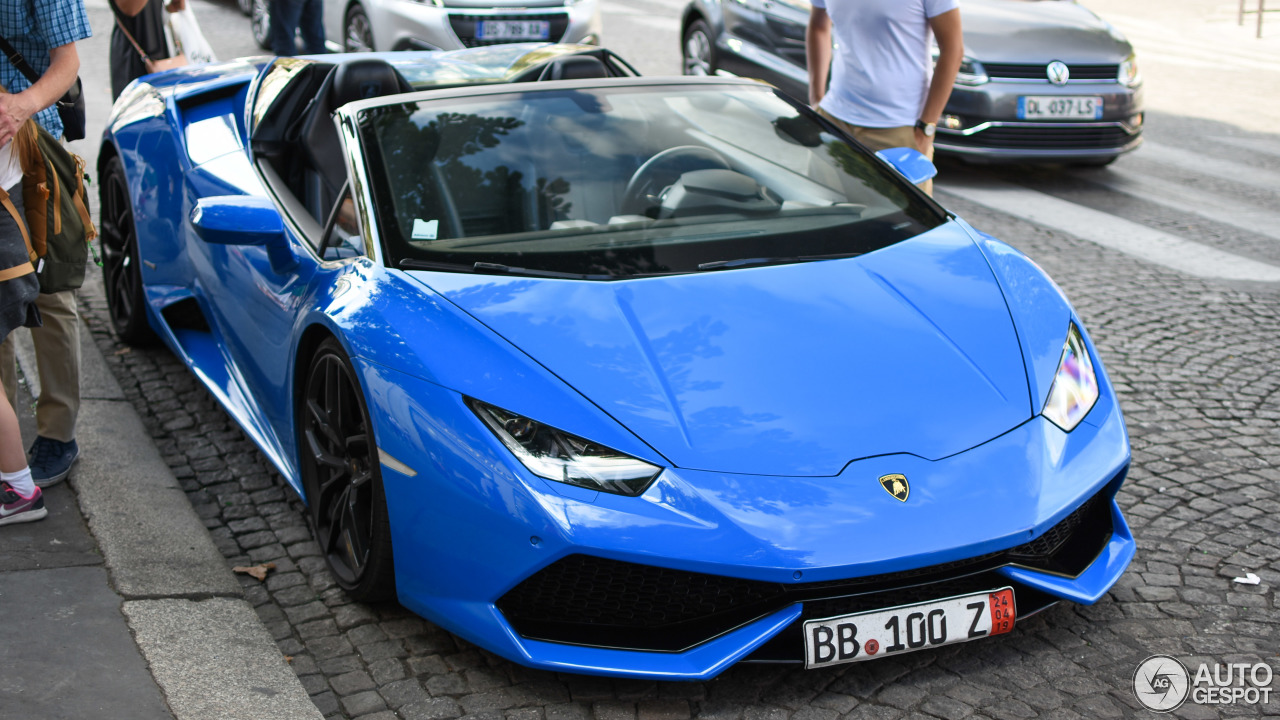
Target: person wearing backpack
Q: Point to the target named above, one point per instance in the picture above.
(20, 499)
(44, 32)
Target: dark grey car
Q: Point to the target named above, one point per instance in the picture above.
(1042, 80)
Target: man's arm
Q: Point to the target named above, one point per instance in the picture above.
(64, 65)
(946, 28)
(817, 52)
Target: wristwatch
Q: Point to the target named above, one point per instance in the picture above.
(927, 128)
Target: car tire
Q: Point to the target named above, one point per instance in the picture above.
(246, 6)
(260, 19)
(698, 50)
(121, 271)
(357, 33)
(342, 479)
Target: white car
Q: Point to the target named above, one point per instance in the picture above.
(454, 24)
(362, 25)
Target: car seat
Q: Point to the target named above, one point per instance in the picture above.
(325, 171)
(574, 67)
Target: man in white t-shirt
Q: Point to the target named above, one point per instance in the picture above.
(885, 90)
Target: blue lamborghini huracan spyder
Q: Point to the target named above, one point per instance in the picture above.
(617, 375)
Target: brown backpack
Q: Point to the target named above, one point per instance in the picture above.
(57, 227)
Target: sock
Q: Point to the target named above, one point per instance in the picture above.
(21, 482)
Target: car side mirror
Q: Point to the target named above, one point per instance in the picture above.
(910, 163)
(244, 220)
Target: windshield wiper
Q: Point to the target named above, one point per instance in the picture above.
(485, 267)
(491, 268)
(746, 262)
(416, 264)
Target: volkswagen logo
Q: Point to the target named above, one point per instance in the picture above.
(1058, 72)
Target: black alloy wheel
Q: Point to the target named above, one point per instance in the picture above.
(121, 274)
(260, 18)
(698, 51)
(341, 477)
(357, 34)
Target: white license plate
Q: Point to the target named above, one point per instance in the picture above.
(513, 30)
(903, 629)
(1057, 107)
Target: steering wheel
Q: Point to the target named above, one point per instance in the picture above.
(662, 170)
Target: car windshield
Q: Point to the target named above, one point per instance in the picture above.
(625, 181)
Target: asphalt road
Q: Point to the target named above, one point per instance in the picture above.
(1172, 256)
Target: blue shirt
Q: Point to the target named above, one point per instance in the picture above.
(881, 67)
(33, 28)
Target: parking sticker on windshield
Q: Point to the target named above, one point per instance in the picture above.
(425, 229)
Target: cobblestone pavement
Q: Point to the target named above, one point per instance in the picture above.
(1195, 365)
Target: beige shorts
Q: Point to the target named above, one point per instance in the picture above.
(883, 139)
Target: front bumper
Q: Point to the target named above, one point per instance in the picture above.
(418, 26)
(984, 124)
(473, 537)
(595, 602)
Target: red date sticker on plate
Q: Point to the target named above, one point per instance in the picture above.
(1002, 612)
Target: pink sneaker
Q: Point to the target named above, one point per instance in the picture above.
(16, 509)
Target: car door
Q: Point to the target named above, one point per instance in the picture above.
(258, 294)
(785, 22)
(771, 33)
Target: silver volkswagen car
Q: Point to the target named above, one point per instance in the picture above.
(1042, 80)
(358, 25)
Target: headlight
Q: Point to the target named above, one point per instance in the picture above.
(1129, 75)
(556, 455)
(1075, 386)
(971, 73)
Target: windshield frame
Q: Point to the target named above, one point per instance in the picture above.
(350, 118)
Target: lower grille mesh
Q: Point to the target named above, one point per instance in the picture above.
(588, 600)
(1013, 137)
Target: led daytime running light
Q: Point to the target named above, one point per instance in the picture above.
(1075, 385)
(561, 457)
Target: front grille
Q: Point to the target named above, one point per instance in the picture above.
(1009, 71)
(588, 600)
(465, 26)
(596, 590)
(1031, 137)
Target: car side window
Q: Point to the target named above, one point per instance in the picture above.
(342, 238)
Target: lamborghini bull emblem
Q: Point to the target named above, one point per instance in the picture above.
(896, 485)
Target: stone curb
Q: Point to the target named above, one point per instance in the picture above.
(205, 645)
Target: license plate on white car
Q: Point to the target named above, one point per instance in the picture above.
(903, 629)
(513, 30)
(1057, 107)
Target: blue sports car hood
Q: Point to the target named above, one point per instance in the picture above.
(782, 370)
